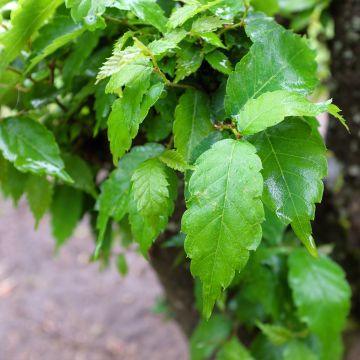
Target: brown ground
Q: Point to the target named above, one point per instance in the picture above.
(63, 308)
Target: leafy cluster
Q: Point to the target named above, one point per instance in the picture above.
(124, 108)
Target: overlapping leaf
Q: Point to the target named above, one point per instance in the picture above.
(225, 191)
(294, 162)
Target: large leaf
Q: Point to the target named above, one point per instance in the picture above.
(114, 198)
(53, 36)
(293, 155)
(225, 191)
(271, 108)
(292, 66)
(39, 195)
(31, 147)
(25, 21)
(66, 210)
(208, 336)
(322, 297)
(192, 122)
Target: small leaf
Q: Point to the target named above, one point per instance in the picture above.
(322, 296)
(271, 108)
(39, 193)
(66, 211)
(206, 24)
(31, 147)
(168, 42)
(219, 61)
(208, 336)
(277, 334)
(225, 191)
(189, 60)
(122, 265)
(174, 160)
(233, 350)
(192, 122)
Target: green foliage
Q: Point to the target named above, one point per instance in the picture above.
(146, 114)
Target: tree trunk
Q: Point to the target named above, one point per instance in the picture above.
(339, 216)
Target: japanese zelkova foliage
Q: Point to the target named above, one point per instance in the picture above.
(139, 112)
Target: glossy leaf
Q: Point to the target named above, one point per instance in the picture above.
(188, 61)
(293, 66)
(31, 147)
(225, 191)
(219, 62)
(174, 160)
(293, 155)
(322, 297)
(271, 108)
(192, 122)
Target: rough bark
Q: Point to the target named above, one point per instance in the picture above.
(339, 220)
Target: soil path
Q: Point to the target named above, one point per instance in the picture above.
(63, 308)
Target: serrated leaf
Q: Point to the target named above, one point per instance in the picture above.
(150, 188)
(59, 32)
(39, 193)
(219, 61)
(188, 61)
(125, 116)
(192, 122)
(174, 160)
(80, 172)
(28, 17)
(31, 147)
(293, 66)
(273, 228)
(168, 42)
(225, 191)
(113, 201)
(66, 210)
(271, 108)
(102, 106)
(233, 350)
(322, 297)
(208, 336)
(294, 160)
(206, 24)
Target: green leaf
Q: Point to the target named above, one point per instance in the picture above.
(225, 191)
(206, 24)
(269, 7)
(174, 160)
(66, 211)
(102, 106)
(192, 122)
(208, 336)
(212, 39)
(273, 228)
(293, 66)
(294, 160)
(150, 188)
(122, 265)
(271, 108)
(233, 350)
(39, 193)
(114, 198)
(297, 350)
(168, 42)
(219, 61)
(31, 147)
(322, 297)
(80, 172)
(128, 112)
(189, 60)
(297, 5)
(25, 21)
(59, 32)
(277, 334)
